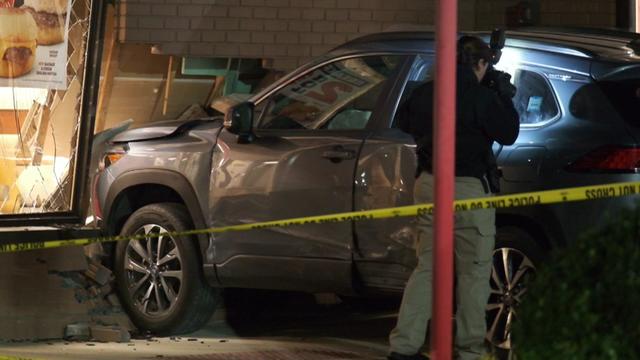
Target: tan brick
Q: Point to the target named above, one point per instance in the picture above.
(324, 26)
(276, 50)
(213, 36)
(383, 15)
(406, 16)
(252, 24)
(320, 49)
(301, 3)
(265, 13)
(277, 3)
(263, 37)
(241, 12)
(368, 27)
(189, 36)
(313, 14)
(300, 26)
(151, 22)
(348, 4)
(252, 2)
(231, 50)
(287, 38)
(334, 39)
(239, 36)
(166, 10)
(337, 15)
(275, 25)
(327, 4)
(360, 15)
(227, 24)
(290, 13)
(347, 27)
(311, 38)
(251, 50)
(201, 24)
(285, 63)
(298, 51)
(176, 23)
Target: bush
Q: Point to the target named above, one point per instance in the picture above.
(584, 303)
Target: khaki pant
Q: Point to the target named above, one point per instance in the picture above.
(474, 242)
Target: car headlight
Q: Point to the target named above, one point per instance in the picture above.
(112, 156)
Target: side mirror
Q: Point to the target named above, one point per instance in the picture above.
(239, 121)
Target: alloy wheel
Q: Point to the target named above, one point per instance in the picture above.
(153, 268)
(509, 274)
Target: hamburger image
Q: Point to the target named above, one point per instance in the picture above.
(18, 37)
(50, 16)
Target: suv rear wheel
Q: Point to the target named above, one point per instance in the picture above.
(515, 258)
(159, 278)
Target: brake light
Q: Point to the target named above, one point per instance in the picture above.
(608, 159)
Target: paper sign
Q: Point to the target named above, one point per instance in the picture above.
(33, 43)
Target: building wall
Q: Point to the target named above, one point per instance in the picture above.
(584, 13)
(287, 31)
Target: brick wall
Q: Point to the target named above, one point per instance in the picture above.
(586, 13)
(287, 31)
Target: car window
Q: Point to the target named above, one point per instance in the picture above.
(420, 73)
(534, 99)
(337, 96)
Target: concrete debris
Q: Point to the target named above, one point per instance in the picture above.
(73, 280)
(98, 273)
(77, 332)
(110, 334)
(95, 251)
(113, 300)
(99, 292)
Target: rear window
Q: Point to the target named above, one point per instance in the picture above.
(603, 100)
(624, 96)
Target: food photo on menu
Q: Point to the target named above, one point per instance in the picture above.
(33, 43)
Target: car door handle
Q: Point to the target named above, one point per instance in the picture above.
(339, 154)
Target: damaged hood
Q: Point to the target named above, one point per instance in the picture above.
(161, 130)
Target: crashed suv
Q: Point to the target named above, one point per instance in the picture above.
(324, 140)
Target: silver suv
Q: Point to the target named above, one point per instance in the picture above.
(324, 140)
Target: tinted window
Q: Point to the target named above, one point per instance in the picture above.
(624, 96)
(337, 96)
(534, 100)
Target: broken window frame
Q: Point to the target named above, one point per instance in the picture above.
(78, 172)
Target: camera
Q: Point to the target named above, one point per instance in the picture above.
(497, 80)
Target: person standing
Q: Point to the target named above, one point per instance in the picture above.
(484, 114)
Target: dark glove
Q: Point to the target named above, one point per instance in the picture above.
(500, 82)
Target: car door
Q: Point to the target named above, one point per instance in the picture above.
(302, 161)
(385, 249)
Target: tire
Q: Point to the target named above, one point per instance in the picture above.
(522, 254)
(167, 295)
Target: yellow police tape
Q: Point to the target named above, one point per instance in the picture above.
(496, 202)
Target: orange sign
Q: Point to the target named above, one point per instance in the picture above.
(7, 3)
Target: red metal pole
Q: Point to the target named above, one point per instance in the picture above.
(444, 161)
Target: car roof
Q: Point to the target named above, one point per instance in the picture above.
(611, 45)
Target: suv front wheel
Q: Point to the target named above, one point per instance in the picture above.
(159, 276)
